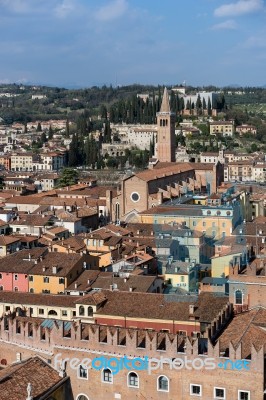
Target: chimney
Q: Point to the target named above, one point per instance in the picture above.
(111, 288)
(131, 289)
(88, 282)
(44, 269)
(125, 279)
(54, 269)
(76, 285)
(29, 392)
(29, 257)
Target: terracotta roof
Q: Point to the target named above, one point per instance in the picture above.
(62, 261)
(56, 300)
(6, 240)
(24, 200)
(153, 174)
(75, 243)
(15, 378)
(21, 261)
(57, 229)
(158, 306)
(3, 223)
(103, 280)
(248, 329)
(33, 220)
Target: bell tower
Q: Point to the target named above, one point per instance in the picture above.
(166, 142)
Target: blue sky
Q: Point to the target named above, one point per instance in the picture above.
(97, 42)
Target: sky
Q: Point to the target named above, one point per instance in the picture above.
(88, 43)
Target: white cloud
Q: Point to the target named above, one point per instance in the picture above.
(229, 24)
(18, 6)
(112, 10)
(65, 8)
(239, 8)
(255, 42)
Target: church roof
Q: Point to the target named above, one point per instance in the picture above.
(165, 106)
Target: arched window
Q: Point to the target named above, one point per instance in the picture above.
(81, 310)
(117, 211)
(238, 297)
(161, 122)
(90, 311)
(133, 379)
(107, 375)
(166, 122)
(52, 312)
(163, 383)
(82, 397)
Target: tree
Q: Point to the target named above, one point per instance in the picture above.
(198, 104)
(152, 147)
(91, 151)
(50, 133)
(39, 127)
(73, 155)
(43, 138)
(67, 127)
(68, 176)
(209, 107)
(112, 162)
(254, 147)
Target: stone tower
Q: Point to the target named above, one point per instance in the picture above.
(166, 131)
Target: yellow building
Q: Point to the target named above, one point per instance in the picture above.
(54, 272)
(228, 254)
(226, 128)
(216, 222)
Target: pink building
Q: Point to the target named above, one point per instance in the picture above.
(15, 268)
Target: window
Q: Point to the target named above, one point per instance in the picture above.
(1, 288)
(61, 281)
(81, 310)
(31, 290)
(219, 393)
(64, 313)
(82, 372)
(107, 376)
(82, 397)
(194, 223)
(133, 379)
(243, 395)
(31, 278)
(15, 289)
(15, 277)
(238, 297)
(90, 311)
(163, 384)
(0, 276)
(46, 279)
(195, 390)
(135, 196)
(182, 278)
(203, 223)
